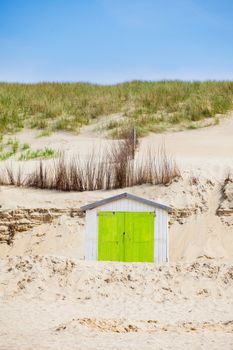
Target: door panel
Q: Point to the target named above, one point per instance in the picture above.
(110, 232)
(126, 236)
(139, 241)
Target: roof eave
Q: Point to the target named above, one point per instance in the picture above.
(125, 195)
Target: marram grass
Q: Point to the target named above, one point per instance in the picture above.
(149, 106)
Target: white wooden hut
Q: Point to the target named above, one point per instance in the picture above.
(127, 228)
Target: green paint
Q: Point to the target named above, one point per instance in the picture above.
(126, 236)
(110, 243)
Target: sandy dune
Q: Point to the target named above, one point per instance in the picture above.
(51, 299)
(208, 149)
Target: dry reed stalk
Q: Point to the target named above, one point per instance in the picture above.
(39, 178)
(114, 169)
(3, 178)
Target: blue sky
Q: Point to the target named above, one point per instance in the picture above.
(109, 41)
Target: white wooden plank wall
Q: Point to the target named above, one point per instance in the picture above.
(91, 243)
(125, 204)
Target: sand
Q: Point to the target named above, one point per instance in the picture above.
(58, 303)
(51, 299)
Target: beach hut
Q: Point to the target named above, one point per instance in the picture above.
(126, 228)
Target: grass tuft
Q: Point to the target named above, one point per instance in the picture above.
(38, 154)
(13, 144)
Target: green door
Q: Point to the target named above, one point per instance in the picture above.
(110, 242)
(126, 236)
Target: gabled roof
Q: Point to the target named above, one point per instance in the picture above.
(129, 196)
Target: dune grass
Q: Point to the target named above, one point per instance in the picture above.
(11, 147)
(149, 106)
(45, 153)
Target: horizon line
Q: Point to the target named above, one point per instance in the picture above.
(114, 83)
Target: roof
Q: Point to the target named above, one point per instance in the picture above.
(128, 196)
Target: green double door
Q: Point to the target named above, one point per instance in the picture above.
(126, 236)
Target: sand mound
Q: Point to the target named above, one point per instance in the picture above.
(57, 303)
(51, 277)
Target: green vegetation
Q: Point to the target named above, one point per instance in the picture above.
(149, 106)
(12, 145)
(38, 154)
(44, 133)
(5, 155)
(25, 146)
